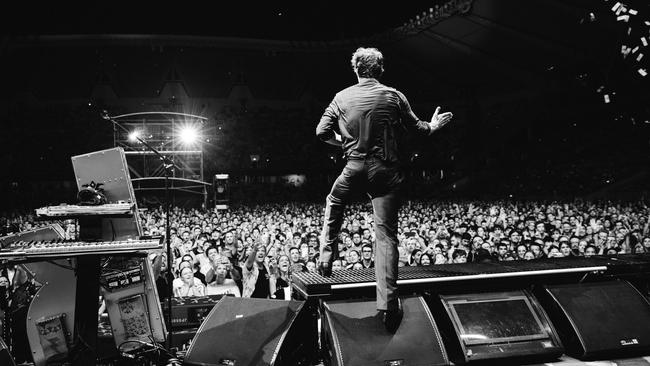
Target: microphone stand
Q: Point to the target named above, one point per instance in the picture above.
(168, 166)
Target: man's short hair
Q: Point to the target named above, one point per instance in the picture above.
(368, 62)
(458, 253)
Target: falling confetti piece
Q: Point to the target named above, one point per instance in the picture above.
(616, 6)
(629, 30)
(643, 72)
(625, 50)
(606, 97)
(624, 18)
(644, 41)
(638, 58)
(635, 49)
(633, 12)
(600, 88)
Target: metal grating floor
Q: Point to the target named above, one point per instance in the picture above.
(315, 284)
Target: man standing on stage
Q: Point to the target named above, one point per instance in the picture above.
(367, 119)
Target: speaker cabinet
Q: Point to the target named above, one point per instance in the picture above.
(600, 319)
(5, 356)
(355, 335)
(245, 331)
(497, 328)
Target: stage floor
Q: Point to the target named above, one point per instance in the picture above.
(312, 284)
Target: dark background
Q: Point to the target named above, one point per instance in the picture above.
(526, 82)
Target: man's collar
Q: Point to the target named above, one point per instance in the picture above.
(368, 80)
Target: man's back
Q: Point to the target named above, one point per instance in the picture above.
(363, 114)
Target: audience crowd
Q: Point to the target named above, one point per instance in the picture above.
(253, 250)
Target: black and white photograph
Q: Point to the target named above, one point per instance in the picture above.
(438, 182)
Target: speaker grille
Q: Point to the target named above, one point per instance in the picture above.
(246, 331)
(606, 316)
(357, 335)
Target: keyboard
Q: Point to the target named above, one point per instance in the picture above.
(76, 210)
(70, 248)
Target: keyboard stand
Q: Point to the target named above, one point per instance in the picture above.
(84, 345)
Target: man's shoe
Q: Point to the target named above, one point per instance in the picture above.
(325, 270)
(393, 318)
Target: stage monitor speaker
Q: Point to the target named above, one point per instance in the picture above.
(244, 331)
(356, 335)
(600, 319)
(497, 328)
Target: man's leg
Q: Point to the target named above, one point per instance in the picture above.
(385, 216)
(333, 219)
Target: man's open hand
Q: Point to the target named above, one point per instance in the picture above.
(438, 120)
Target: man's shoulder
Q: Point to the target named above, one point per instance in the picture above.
(356, 87)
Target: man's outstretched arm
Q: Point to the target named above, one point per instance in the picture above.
(413, 123)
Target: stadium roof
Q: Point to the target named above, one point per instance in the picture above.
(492, 44)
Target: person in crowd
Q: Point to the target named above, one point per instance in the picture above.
(424, 260)
(220, 285)
(186, 284)
(353, 258)
(459, 256)
(337, 265)
(414, 257)
(311, 266)
(255, 274)
(366, 256)
(439, 258)
(297, 263)
(281, 279)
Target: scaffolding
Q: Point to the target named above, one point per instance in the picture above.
(178, 136)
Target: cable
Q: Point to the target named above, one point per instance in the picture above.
(153, 345)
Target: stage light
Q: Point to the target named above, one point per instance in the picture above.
(188, 135)
(133, 136)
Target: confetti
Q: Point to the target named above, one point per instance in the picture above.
(616, 6)
(629, 30)
(620, 10)
(643, 72)
(635, 49)
(647, 23)
(633, 12)
(644, 41)
(625, 50)
(624, 18)
(600, 88)
(638, 58)
(606, 97)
